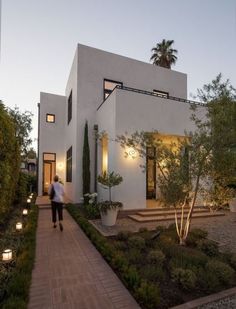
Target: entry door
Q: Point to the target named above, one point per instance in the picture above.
(151, 173)
(49, 164)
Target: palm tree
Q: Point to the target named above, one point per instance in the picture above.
(163, 54)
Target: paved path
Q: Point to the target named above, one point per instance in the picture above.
(70, 273)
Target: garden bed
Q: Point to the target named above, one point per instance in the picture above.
(15, 276)
(159, 272)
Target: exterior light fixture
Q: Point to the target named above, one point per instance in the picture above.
(132, 153)
(28, 200)
(7, 255)
(60, 166)
(25, 212)
(18, 226)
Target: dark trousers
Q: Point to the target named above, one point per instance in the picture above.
(57, 208)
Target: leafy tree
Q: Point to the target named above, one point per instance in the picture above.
(86, 162)
(109, 180)
(163, 54)
(204, 162)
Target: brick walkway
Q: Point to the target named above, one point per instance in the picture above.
(70, 273)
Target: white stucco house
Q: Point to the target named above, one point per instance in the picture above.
(115, 94)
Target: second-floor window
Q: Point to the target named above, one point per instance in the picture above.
(160, 93)
(69, 109)
(50, 118)
(108, 87)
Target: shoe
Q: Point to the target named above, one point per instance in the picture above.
(61, 226)
(54, 226)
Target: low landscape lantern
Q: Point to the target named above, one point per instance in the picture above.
(28, 201)
(25, 212)
(18, 226)
(7, 255)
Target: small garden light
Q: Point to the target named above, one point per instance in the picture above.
(7, 255)
(18, 226)
(28, 200)
(25, 212)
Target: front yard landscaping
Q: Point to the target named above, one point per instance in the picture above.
(157, 270)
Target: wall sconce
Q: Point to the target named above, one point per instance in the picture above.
(25, 212)
(18, 226)
(7, 255)
(60, 166)
(132, 153)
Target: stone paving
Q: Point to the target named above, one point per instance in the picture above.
(70, 273)
(221, 229)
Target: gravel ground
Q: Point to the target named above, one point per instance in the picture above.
(226, 303)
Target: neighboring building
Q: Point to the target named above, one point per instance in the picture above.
(146, 97)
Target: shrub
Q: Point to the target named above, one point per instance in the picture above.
(148, 295)
(207, 281)
(136, 242)
(222, 271)
(209, 247)
(134, 256)
(153, 272)
(91, 211)
(131, 277)
(186, 278)
(194, 236)
(156, 257)
(120, 245)
(119, 262)
(143, 230)
(123, 235)
(233, 261)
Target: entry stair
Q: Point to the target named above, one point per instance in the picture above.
(168, 214)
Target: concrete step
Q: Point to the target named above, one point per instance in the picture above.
(169, 212)
(154, 218)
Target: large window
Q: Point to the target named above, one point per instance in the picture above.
(69, 113)
(108, 87)
(160, 93)
(69, 165)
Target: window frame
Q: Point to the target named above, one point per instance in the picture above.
(69, 165)
(108, 91)
(69, 108)
(54, 118)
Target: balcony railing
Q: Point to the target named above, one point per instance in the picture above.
(153, 94)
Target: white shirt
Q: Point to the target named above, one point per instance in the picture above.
(59, 192)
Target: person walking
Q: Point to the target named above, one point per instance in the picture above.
(56, 194)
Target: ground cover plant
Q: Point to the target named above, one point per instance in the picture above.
(15, 276)
(157, 270)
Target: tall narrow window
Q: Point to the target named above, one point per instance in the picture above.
(108, 87)
(69, 165)
(69, 113)
(160, 93)
(104, 153)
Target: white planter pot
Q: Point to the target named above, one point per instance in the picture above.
(109, 218)
(232, 205)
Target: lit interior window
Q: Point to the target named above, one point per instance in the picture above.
(104, 153)
(50, 118)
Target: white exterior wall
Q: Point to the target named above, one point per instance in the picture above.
(96, 65)
(50, 134)
(89, 69)
(136, 112)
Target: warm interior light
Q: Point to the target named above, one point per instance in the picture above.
(7, 255)
(18, 226)
(104, 153)
(132, 153)
(25, 212)
(60, 166)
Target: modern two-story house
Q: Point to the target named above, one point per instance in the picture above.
(114, 94)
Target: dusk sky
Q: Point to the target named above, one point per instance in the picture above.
(38, 40)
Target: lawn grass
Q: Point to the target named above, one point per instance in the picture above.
(157, 270)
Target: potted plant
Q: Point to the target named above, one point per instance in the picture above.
(109, 209)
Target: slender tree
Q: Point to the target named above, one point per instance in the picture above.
(163, 54)
(86, 161)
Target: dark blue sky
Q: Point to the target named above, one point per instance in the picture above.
(39, 40)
